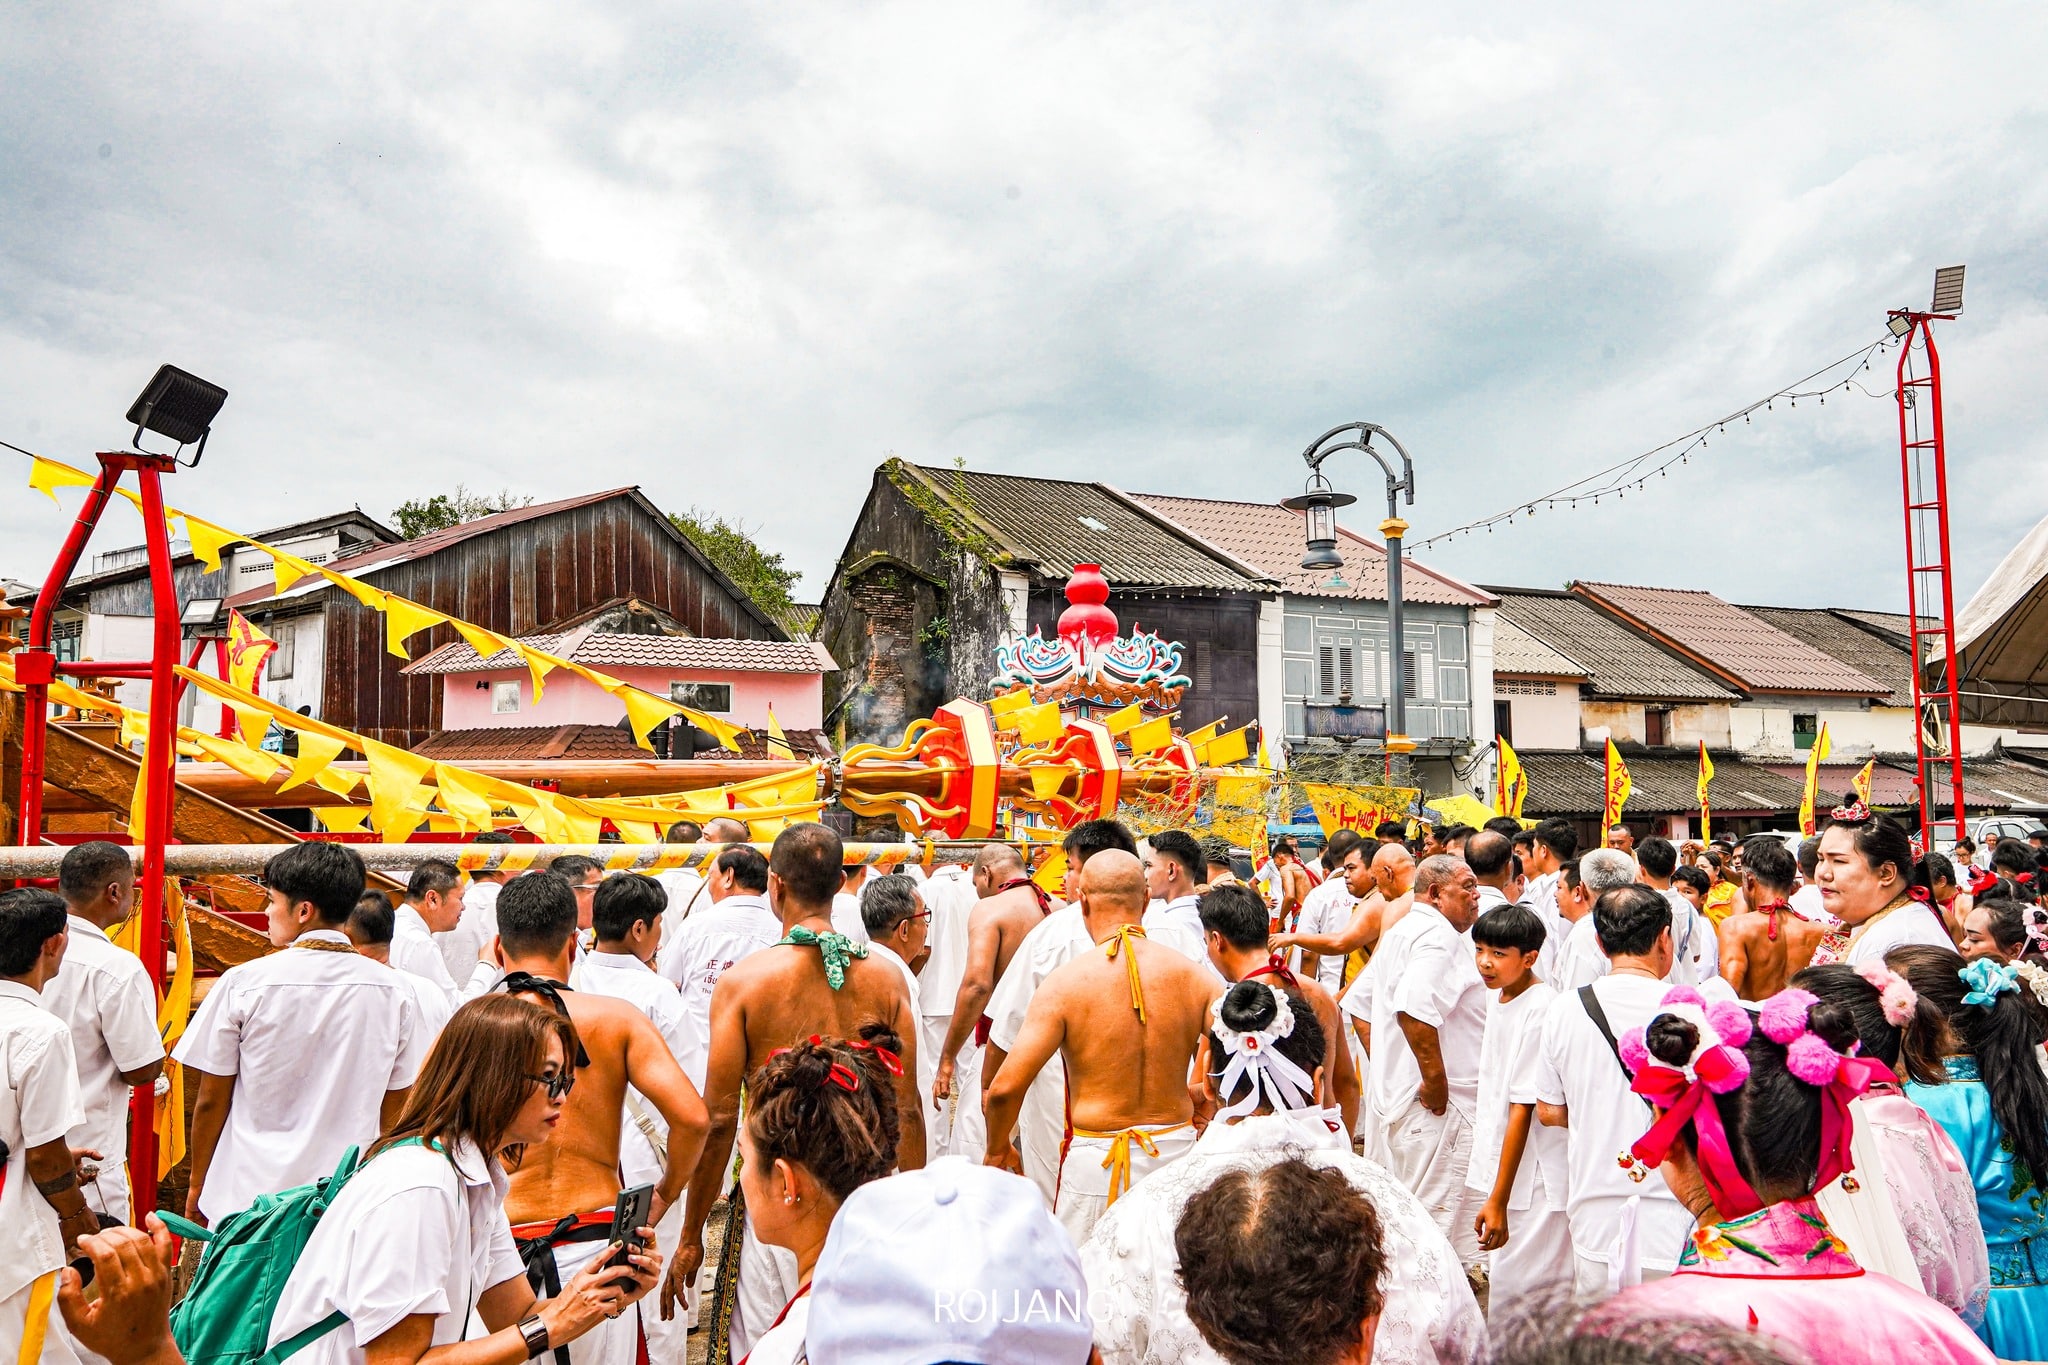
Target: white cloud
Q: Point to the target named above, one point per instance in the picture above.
(736, 255)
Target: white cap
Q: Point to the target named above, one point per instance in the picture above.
(956, 1262)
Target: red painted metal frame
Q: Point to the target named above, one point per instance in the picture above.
(37, 666)
(1916, 454)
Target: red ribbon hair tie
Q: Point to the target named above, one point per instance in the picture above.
(889, 1059)
(844, 1077)
(1921, 894)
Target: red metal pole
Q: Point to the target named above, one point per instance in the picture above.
(160, 757)
(1948, 602)
(35, 666)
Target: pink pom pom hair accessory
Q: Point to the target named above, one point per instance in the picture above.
(1895, 995)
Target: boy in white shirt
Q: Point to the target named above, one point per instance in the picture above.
(105, 995)
(1517, 1164)
(42, 1211)
(300, 1055)
(627, 914)
(1621, 1229)
(371, 926)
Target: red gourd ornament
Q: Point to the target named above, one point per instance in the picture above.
(1087, 625)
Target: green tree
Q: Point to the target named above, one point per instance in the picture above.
(438, 513)
(730, 546)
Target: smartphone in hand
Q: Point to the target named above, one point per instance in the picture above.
(629, 1215)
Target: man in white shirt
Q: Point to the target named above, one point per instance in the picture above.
(1058, 938)
(950, 895)
(1328, 908)
(686, 885)
(583, 875)
(846, 905)
(1599, 871)
(1695, 949)
(432, 909)
(1807, 902)
(1552, 844)
(299, 1055)
(1173, 869)
(897, 922)
(105, 995)
(627, 914)
(42, 1211)
(470, 940)
(1620, 1227)
(1428, 1013)
(735, 923)
(370, 928)
(1491, 857)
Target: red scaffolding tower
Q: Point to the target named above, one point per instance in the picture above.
(1923, 458)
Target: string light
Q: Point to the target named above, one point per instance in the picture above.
(1636, 471)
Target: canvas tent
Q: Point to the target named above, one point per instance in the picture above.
(2002, 641)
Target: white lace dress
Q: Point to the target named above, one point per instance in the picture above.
(1134, 1292)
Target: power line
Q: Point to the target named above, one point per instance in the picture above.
(1629, 475)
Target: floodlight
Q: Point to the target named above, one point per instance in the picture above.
(1948, 290)
(1900, 324)
(201, 611)
(179, 405)
(1320, 502)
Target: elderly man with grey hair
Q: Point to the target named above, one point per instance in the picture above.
(1426, 1012)
(1580, 961)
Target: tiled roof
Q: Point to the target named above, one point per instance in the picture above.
(1745, 650)
(1988, 784)
(619, 650)
(1270, 539)
(1622, 663)
(799, 619)
(527, 742)
(1571, 783)
(753, 745)
(1871, 653)
(1056, 524)
(1516, 651)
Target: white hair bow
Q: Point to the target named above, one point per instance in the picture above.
(1254, 1058)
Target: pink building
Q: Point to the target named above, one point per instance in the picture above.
(737, 680)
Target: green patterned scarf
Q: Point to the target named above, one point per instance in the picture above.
(836, 949)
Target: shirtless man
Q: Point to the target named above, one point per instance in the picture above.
(1292, 880)
(1764, 948)
(1011, 906)
(1388, 886)
(1234, 925)
(1126, 1021)
(814, 981)
(573, 1178)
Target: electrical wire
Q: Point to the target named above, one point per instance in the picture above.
(1634, 473)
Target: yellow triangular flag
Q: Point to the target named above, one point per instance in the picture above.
(252, 721)
(343, 819)
(539, 663)
(1130, 718)
(403, 620)
(1040, 724)
(1198, 738)
(47, 476)
(316, 751)
(394, 776)
(253, 764)
(486, 643)
(1152, 736)
(208, 540)
(778, 743)
(376, 599)
(336, 780)
(644, 711)
(636, 832)
(461, 798)
(289, 569)
(1046, 779)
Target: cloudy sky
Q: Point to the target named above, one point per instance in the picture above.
(737, 255)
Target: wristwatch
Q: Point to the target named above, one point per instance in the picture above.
(536, 1334)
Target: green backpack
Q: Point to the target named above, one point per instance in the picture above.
(224, 1318)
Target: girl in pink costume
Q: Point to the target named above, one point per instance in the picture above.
(1753, 1118)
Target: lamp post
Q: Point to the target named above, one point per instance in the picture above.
(1319, 501)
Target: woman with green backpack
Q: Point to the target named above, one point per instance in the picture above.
(416, 1248)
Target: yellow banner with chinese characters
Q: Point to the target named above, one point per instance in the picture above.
(1357, 808)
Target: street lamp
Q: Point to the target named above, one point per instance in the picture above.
(1319, 502)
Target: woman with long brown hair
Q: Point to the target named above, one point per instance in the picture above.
(417, 1241)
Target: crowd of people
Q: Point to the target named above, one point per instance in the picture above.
(1481, 1094)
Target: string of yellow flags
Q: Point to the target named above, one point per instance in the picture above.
(403, 618)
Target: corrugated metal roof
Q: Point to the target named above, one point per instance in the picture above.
(1270, 539)
(1989, 785)
(1744, 649)
(1516, 651)
(1568, 782)
(606, 649)
(1871, 653)
(1057, 524)
(1621, 663)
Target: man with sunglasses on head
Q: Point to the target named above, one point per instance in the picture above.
(561, 1198)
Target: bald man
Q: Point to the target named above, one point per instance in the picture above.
(1011, 906)
(1126, 1021)
(1392, 876)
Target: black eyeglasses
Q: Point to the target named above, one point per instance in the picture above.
(557, 1085)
